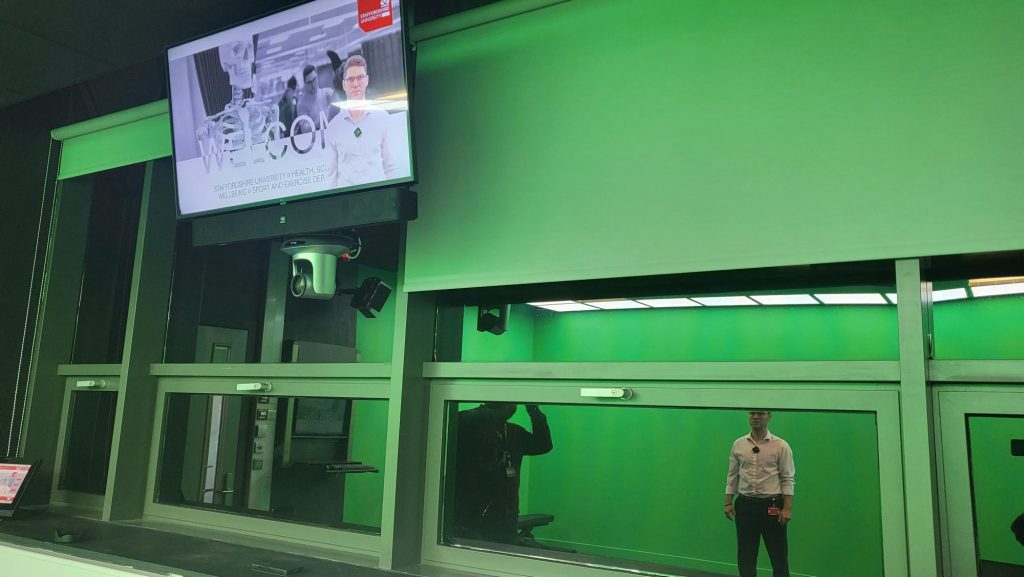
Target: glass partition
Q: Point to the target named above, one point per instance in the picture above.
(996, 462)
(87, 442)
(108, 262)
(313, 460)
(642, 488)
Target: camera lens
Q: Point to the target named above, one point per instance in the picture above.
(298, 285)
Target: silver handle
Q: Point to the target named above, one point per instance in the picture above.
(90, 384)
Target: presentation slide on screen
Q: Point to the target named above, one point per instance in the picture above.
(311, 100)
(11, 478)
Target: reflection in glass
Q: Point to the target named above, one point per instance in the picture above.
(217, 301)
(107, 265)
(88, 438)
(641, 488)
(312, 460)
(996, 446)
(490, 451)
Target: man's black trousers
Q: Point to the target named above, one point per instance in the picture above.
(753, 523)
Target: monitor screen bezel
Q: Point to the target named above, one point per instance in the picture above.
(408, 66)
(8, 509)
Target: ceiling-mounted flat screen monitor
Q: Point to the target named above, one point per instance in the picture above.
(309, 101)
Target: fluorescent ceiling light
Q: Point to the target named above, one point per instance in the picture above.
(668, 303)
(319, 36)
(954, 294)
(995, 290)
(569, 307)
(274, 50)
(614, 305)
(995, 280)
(891, 297)
(851, 299)
(563, 306)
(725, 301)
(785, 299)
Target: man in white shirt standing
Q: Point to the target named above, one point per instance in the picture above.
(761, 479)
(360, 152)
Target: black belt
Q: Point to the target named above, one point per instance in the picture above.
(760, 497)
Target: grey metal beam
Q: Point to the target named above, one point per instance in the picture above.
(402, 517)
(976, 371)
(920, 486)
(811, 371)
(144, 345)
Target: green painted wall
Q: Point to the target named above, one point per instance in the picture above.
(647, 484)
(996, 481)
(593, 139)
(364, 492)
(719, 334)
(989, 328)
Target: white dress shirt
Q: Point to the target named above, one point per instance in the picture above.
(770, 471)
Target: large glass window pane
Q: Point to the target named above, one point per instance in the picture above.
(107, 264)
(315, 460)
(747, 323)
(996, 453)
(88, 438)
(643, 488)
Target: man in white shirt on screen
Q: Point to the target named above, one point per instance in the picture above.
(360, 152)
(761, 478)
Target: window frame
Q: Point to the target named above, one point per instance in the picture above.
(663, 386)
(953, 403)
(88, 503)
(356, 381)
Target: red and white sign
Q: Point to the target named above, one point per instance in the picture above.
(11, 478)
(375, 14)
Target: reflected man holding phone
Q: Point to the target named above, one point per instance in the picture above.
(761, 479)
(489, 457)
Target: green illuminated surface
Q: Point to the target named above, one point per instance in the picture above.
(144, 139)
(787, 333)
(593, 139)
(989, 328)
(647, 484)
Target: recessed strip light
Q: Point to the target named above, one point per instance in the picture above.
(995, 280)
(995, 290)
(564, 306)
(668, 303)
(851, 299)
(725, 301)
(785, 299)
(616, 305)
(891, 297)
(954, 294)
